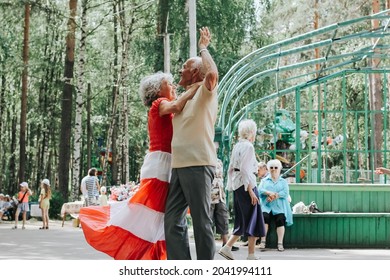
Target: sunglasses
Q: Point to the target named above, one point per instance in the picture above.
(273, 167)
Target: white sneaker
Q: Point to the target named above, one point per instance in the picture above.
(226, 253)
(252, 258)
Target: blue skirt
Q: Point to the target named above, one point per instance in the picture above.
(248, 218)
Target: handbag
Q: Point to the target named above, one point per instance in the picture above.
(17, 202)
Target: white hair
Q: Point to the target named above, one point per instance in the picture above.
(274, 162)
(150, 86)
(246, 129)
(197, 63)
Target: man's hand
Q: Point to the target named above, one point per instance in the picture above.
(205, 38)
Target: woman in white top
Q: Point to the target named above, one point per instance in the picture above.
(248, 218)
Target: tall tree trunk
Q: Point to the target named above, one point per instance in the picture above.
(2, 109)
(114, 164)
(66, 106)
(23, 111)
(12, 163)
(77, 140)
(125, 137)
(41, 132)
(376, 100)
(117, 145)
(162, 15)
(52, 96)
(89, 128)
(192, 26)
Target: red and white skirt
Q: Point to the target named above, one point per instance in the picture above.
(133, 229)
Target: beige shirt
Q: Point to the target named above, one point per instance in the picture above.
(193, 130)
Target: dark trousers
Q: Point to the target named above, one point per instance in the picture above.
(189, 187)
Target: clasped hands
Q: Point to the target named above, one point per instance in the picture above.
(272, 196)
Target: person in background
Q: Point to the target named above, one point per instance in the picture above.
(7, 208)
(274, 196)
(44, 202)
(2, 200)
(90, 187)
(262, 171)
(103, 196)
(193, 159)
(218, 211)
(3, 203)
(248, 220)
(23, 196)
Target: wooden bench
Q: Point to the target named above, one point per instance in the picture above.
(354, 216)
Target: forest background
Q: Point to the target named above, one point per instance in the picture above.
(70, 72)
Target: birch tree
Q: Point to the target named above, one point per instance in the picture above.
(80, 92)
(66, 106)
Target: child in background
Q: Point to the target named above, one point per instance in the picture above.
(103, 196)
(44, 202)
(23, 206)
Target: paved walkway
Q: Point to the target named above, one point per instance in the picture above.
(68, 243)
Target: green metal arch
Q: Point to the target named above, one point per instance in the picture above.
(291, 66)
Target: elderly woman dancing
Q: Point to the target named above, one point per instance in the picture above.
(274, 196)
(134, 229)
(248, 218)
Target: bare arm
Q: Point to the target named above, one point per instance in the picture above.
(176, 106)
(382, 170)
(211, 76)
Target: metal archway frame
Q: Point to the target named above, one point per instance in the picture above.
(291, 66)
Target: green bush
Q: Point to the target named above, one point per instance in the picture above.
(56, 203)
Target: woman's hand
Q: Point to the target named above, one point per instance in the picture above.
(272, 196)
(254, 199)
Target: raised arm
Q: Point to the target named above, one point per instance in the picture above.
(211, 70)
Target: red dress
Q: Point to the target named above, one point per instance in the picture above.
(134, 229)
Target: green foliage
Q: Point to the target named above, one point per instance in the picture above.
(56, 203)
(238, 27)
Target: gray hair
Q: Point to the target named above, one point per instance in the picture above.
(262, 164)
(150, 87)
(197, 63)
(247, 128)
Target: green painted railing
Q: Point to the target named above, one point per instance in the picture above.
(354, 216)
(360, 198)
